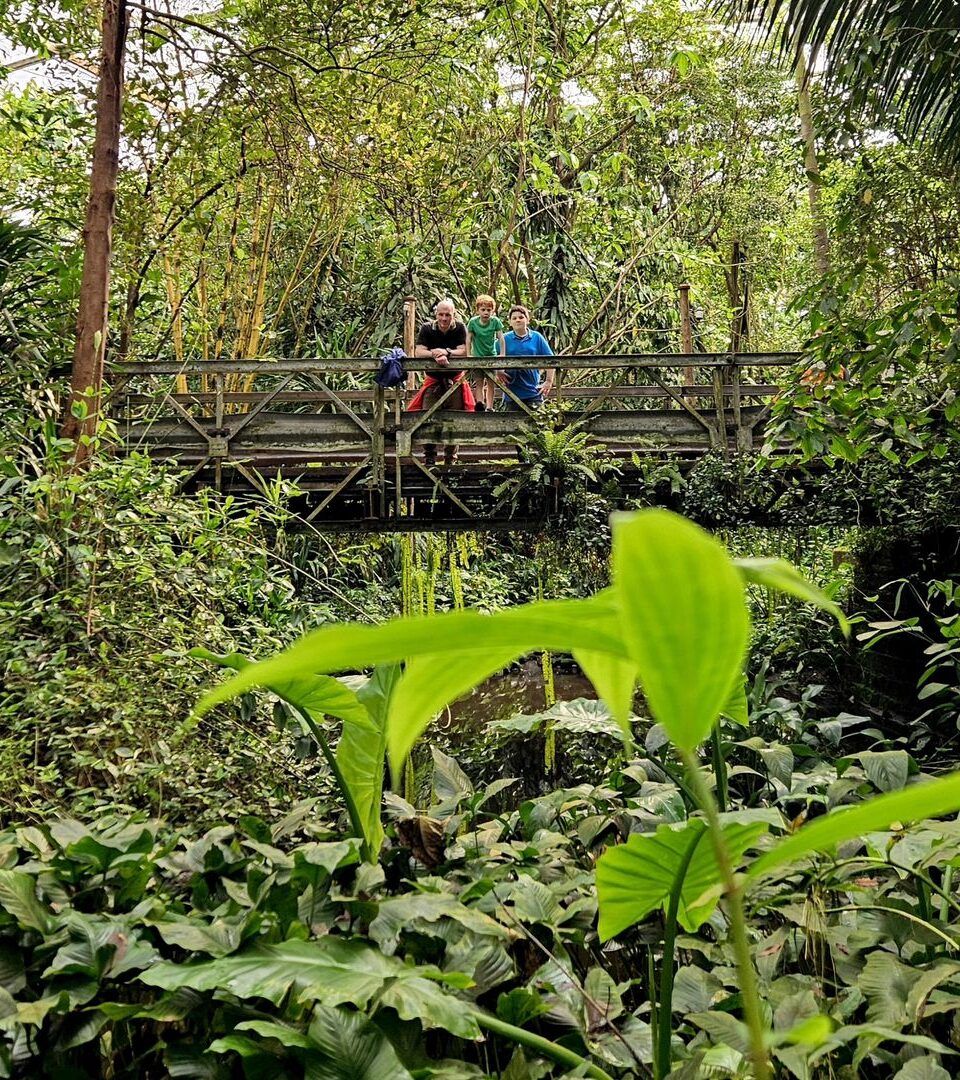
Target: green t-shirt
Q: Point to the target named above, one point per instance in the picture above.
(484, 337)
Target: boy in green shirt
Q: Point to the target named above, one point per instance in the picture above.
(485, 338)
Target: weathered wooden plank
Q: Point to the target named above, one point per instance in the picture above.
(415, 364)
(331, 431)
(311, 397)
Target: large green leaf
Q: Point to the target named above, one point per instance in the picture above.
(429, 684)
(930, 799)
(782, 576)
(684, 619)
(18, 897)
(423, 1000)
(361, 752)
(582, 716)
(735, 708)
(415, 912)
(638, 877)
(887, 983)
(354, 1049)
(318, 695)
(887, 770)
(331, 970)
(615, 679)
(922, 1068)
(558, 625)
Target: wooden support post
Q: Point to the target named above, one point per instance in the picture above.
(721, 422)
(397, 461)
(744, 433)
(409, 331)
(739, 298)
(378, 464)
(686, 332)
(218, 385)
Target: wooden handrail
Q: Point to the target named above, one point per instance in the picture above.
(702, 390)
(360, 365)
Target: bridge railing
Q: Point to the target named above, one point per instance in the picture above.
(325, 422)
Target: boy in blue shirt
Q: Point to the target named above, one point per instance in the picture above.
(525, 383)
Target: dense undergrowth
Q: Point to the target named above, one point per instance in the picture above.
(497, 890)
(193, 900)
(470, 947)
(274, 945)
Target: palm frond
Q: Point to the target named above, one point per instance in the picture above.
(899, 59)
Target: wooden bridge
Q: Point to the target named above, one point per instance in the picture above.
(354, 458)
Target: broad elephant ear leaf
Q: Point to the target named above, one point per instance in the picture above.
(318, 695)
(329, 971)
(683, 618)
(638, 877)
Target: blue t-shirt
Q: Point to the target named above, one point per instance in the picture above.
(526, 383)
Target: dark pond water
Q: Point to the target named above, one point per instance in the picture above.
(518, 691)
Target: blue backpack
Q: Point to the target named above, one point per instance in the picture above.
(391, 371)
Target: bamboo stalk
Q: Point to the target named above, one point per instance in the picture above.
(175, 300)
(294, 276)
(228, 273)
(257, 314)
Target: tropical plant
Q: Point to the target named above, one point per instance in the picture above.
(675, 620)
(938, 628)
(558, 460)
(358, 763)
(897, 62)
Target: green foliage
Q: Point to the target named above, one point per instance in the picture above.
(559, 464)
(641, 875)
(358, 763)
(885, 385)
(684, 620)
(101, 572)
(225, 944)
(938, 628)
(894, 64)
(628, 631)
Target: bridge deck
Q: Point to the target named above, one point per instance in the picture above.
(356, 457)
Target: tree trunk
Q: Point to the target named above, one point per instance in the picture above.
(86, 381)
(821, 243)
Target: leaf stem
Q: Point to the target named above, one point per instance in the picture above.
(353, 812)
(737, 917)
(539, 1045)
(719, 767)
(664, 1012)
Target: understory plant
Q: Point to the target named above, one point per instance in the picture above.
(470, 947)
(937, 629)
(675, 622)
